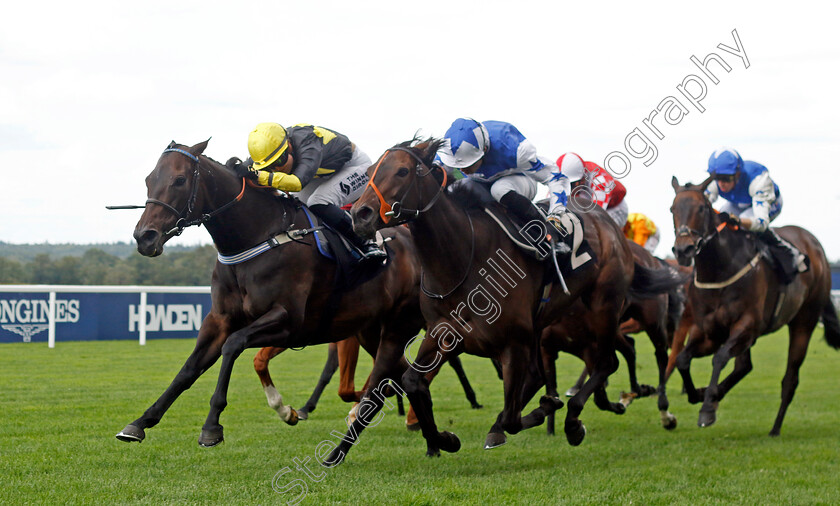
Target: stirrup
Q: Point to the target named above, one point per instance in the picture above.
(370, 250)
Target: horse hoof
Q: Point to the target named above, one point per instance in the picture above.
(335, 458)
(303, 414)
(412, 427)
(774, 433)
(432, 453)
(477, 406)
(131, 433)
(646, 390)
(210, 438)
(619, 408)
(293, 417)
(706, 418)
(576, 434)
(669, 422)
(626, 398)
(494, 440)
(450, 442)
(572, 392)
(550, 404)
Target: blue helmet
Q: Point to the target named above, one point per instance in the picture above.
(466, 142)
(725, 161)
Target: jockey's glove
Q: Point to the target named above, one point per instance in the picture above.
(240, 169)
(281, 181)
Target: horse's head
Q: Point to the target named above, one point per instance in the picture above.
(172, 189)
(693, 220)
(399, 188)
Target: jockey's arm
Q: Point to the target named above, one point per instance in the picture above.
(763, 193)
(712, 192)
(559, 187)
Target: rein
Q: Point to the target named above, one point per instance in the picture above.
(183, 222)
(395, 210)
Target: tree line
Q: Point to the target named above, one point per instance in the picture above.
(188, 267)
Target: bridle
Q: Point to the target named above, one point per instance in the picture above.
(388, 211)
(702, 240)
(183, 215)
(396, 210)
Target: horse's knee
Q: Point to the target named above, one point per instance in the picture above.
(348, 395)
(234, 346)
(412, 381)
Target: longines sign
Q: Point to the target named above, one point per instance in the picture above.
(100, 316)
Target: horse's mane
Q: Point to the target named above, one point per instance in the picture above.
(468, 194)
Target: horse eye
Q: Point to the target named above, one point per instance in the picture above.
(402, 172)
(180, 181)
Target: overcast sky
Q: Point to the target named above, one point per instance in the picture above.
(92, 92)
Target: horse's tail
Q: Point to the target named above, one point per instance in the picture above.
(649, 282)
(832, 324)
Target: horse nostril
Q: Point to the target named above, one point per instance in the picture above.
(362, 214)
(146, 237)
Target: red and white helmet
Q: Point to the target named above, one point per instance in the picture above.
(571, 166)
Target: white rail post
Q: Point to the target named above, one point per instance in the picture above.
(51, 331)
(142, 321)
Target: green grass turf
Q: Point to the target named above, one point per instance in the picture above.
(60, 409)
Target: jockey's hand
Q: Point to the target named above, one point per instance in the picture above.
(730, 218)
(240, 169)
(556, 219)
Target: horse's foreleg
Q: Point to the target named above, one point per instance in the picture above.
(698, 346)
(214, 330)
(326, 375)
(605, 364)
(429, 357)
(386, 373)
(268, 330)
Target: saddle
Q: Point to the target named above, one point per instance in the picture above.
(533, 238)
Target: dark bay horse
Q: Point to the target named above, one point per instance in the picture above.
(736, 297)
(482, 295)
(657, 316)
(278, 298)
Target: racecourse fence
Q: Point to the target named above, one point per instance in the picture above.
(104, 313)
(100, 313)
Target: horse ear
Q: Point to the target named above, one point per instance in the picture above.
(171, 145)
(676, 184)
(706, 183)
(200, 147)
(429, 151)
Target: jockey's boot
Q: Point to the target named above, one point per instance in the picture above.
(528, 210)
(341, 222)
(791, 260)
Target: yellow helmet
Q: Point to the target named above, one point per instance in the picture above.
(267, 143)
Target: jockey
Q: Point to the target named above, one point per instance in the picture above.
(642, 230)
(496, 153)
(591, 179)
(323, 167)
(752, 200)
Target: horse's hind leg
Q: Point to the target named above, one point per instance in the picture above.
(579, 383)
(348, 358)
(659, 338)
(275, 400)
(326, 375)
(208, 346)
(456, 364)
(800, 330)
